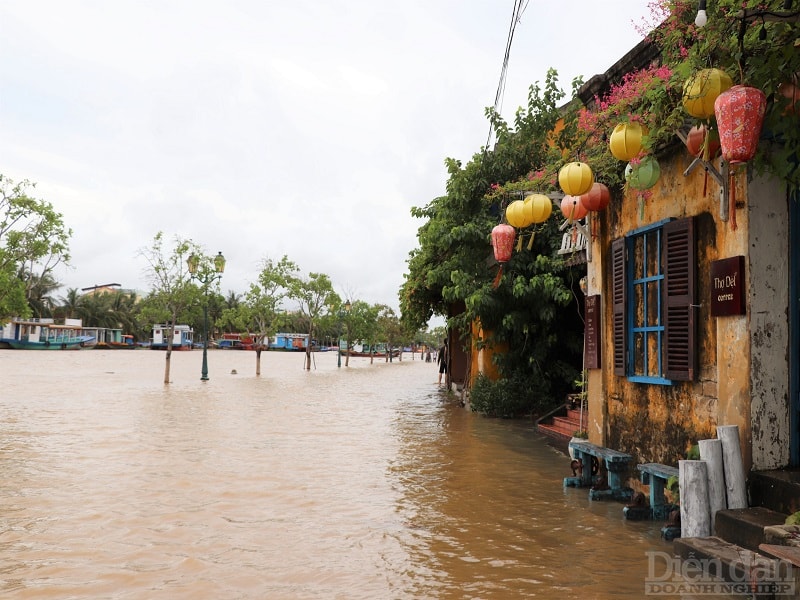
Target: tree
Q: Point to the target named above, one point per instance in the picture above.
(260, 314)
(33, 241)
(390, 328)
(172, 290)
(312, 294)
(453, 265)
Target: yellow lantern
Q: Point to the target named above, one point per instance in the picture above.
(539, 207)
(575, 178)
(626, 141)
(701, 90)
(516, 214)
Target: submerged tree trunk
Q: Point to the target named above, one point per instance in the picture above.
(168, 357)
(258, 360)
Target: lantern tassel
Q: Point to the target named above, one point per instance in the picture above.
(497, 277)
(519, 243)
(530, 241)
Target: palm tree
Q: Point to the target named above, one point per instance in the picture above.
(69, 305)
(40, 293)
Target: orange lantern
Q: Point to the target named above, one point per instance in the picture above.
(702, 89)
(625, 142)
(597, 198)
(539, 207)
(516, 214)
(700, 140)
(575, 178)
(572, 208)
(503, 242)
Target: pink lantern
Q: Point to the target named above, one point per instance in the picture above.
(572, 208)
(597, 198)
(503, 242)
(740, 114)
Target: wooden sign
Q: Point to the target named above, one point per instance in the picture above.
(591, 344)
(727, 287)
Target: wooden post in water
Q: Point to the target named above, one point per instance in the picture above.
(711, 453)
(735, 483)
(695, 510)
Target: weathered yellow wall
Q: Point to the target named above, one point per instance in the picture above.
(481, 360)
(656, 423)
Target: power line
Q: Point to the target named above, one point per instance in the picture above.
(516, 15)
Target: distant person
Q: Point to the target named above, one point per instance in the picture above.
(428, 356)
(442, 360)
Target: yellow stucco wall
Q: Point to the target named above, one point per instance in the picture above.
(656, 423)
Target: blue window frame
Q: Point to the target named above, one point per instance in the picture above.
(644, 324)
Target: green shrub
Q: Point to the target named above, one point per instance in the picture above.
(505, 398)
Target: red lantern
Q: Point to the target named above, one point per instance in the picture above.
(696, 142)
(596, 198)
(740, 114)
(503, 242)
(572, 208)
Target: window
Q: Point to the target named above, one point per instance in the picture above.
(653, 297)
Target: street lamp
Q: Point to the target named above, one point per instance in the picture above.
(205, 276)
(339, 341)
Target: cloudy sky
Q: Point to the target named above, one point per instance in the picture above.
(264, 128)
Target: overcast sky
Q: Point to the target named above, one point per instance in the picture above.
(305, 128)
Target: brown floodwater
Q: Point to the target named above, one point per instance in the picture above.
(360, 482)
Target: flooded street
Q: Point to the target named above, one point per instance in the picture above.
(360, 482)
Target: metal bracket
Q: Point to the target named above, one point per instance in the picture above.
(720, 176)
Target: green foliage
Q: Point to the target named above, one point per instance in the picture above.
(506, 398)
(33, 241)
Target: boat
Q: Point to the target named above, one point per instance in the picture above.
(126, 342)
(292, 342)
(182, 337)
(235, 341)
(108, 338)
(44, 334)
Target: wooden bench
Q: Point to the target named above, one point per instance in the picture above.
(656, 476)
(609, 463)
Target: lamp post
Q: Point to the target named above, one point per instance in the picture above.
(205, 276)
(339, 341)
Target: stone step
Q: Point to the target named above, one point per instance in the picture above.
(777, 490)
(751, 573)
(745, 526)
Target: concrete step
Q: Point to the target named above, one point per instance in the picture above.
(745, 526)
(750, 573)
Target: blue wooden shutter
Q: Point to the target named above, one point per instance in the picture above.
(618, 304)
(679, 300)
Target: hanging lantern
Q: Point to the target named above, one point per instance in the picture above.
(539, 207)
(645, 174)
(575, 178)
(503, 242)
(572, 208)
(701, 140)
(740, 114)
(597, 198)
(625, 142)
(516, 214)
(702, 89)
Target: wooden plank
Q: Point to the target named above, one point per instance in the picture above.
(788, 553)
(658, 470)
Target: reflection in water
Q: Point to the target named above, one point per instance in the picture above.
(360, 482)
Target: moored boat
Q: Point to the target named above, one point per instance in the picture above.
(182, 337)
(44, 334)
